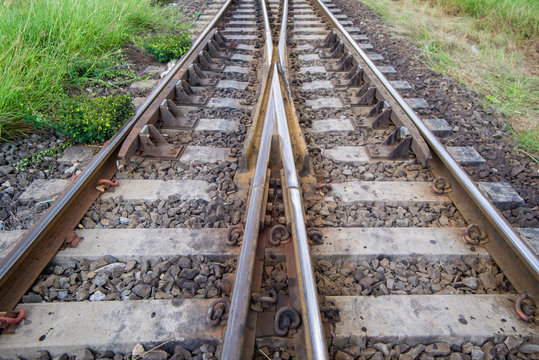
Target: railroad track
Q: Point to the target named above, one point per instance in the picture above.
(275, 196)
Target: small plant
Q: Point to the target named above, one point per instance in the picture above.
(88, 120)
(165, 46)
(35, 159)
(108, 70)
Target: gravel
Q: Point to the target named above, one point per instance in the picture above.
(176, 277)
(496, 348)
(410, 277)
(379, 214)
(171, 213)
(163, 352)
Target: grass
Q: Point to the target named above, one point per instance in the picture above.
(491, 46)
(165, 46)
(46, 45)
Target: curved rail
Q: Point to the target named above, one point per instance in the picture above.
(233, 342)
(492, 214)
(312, 320)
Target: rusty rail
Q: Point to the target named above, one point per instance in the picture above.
(506, 247)
(23, 264)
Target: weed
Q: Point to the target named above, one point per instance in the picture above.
(35, 159)
(43, 43)
(491, 60)
(165, 46)
(87, 120)
(108, 71)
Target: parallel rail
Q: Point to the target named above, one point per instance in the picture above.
(20, 268)
(505, 245)
(23, 264)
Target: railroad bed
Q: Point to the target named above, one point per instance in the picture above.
(274, 198)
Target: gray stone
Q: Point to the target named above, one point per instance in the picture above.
(100, 279)
(477, 353)
(415, 351)
(467, 347)
(62, 295)
(155, 355)
(88, 223)
(184, 262)
(529, 348)
(88, 355)
(6, 169)
(438, 349)
(512, 342)
(366, 281)
(82, 294)
(41, 355)
(471, 282)
(109, 269)
(340, 355)
(489, 350)
(142, 290)
(382, 347)
(488, 281)
(189, 274)
(97, 296)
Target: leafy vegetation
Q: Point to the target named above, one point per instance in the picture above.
(108, 71)
(88, 119)
(49, 46)
(165, 46)
(34, 159)
(488, 45)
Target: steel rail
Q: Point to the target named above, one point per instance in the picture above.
(312, 320)
(267, 30)
(241, 294)
(492, 214)
(281, 46)
(108, 150)
(233, 342)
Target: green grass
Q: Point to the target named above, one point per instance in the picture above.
(43, 41)
(490, 46)
(520, 18)
(165, 46)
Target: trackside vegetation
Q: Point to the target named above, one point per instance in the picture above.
(491, 46)
(52, 50)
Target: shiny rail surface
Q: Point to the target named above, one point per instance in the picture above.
(493, 216)
(276, 101)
